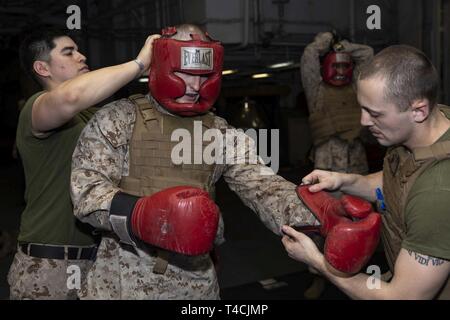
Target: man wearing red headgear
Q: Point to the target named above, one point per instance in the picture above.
(158, 218)
(334, 110)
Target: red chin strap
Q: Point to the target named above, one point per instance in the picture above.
(329, 73)
(194, 57)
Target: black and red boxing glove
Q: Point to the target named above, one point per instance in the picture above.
(349, 225)
(180, 219)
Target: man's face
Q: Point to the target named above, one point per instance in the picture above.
(342, 73)
(193, 85)
(65, 60)
(385, 121)
(337, 69)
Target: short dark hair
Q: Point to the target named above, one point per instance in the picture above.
(408, 75)
(37, 46)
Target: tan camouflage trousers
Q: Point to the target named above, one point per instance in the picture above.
(33, 278)
(341, 156)
(119, 274)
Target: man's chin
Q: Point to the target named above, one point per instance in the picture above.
(340, 82)
(384, 142)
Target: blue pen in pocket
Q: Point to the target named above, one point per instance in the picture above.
(380, 199)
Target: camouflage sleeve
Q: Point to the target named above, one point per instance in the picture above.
(359, 52)
(270, 196)
(99, 161)
(310, 74)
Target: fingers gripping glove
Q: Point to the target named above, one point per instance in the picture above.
(180, 219)
(349, 243)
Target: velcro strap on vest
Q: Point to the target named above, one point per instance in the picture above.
(321, 128)
(346, 120)
(141, 101)
(162, 262)
(144, 106)
(346, 125)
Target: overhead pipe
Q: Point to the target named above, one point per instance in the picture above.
(352, 20)
(246, 26)
(256, 21)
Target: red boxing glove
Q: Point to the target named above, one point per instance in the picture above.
(356, 207)
(181, 219)
(349, 244)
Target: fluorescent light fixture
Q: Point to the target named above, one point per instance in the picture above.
(281, 65)
(260, 75)
(143, 80)
(229, 71)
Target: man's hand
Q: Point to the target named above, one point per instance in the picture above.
(65, 99)
(324, 180)
(301, 248)
(145, 55)
(353, 184)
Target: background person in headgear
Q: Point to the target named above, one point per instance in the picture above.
(398, 92)
(333, 108)
(50, 238)
(123, 177)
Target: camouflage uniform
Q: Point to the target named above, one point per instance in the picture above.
(335, 154)
(56, 285)
(101, 159)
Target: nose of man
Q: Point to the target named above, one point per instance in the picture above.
(340, 70)
(194, 83)
(366, 120)
(81, 57)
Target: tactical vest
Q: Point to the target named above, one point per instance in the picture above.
(151, 168)
(401, 168)
(338, 113)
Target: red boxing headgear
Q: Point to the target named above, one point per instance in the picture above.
(329, 73)
(195, 57)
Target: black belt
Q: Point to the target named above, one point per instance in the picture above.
(58, 252)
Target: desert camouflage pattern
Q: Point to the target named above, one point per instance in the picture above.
(120, 271)
(336, 154)
(341, 156)
(33, 278)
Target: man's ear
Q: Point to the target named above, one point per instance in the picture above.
(420, 110)
(41, 68)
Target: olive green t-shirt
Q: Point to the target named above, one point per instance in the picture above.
(427, 213)
(48, 216)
